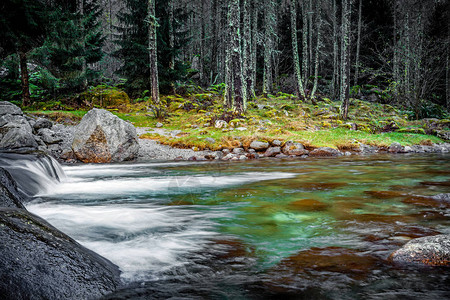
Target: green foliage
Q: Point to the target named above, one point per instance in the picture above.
(133, 44)
(73, 43)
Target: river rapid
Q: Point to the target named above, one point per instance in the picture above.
(294, 229)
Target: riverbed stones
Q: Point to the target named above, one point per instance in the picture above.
(102, 137)
(396, 148)
(292, 148)
(40, 262)
(325, 151)
(259, 146)
(424, 251)
(272, 151)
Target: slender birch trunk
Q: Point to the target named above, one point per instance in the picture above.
(254, 46)
(294, 37)
(247, 51)
(310, 13)
(213, 21)
(317, 54)
(358, 44)
(153, 55)
(172, 41)
(83, 44)
(345, 60)
(268, 49)
(305, 61)
(335, 79)
(234, 48)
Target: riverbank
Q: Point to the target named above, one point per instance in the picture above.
(198, 122)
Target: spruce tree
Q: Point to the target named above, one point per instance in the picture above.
(73, 45)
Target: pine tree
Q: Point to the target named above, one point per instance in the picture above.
(23, 26)
(73, 45)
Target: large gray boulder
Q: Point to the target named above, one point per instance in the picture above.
(291, 148)
(424, 251)
(102, 137)
(39, 262)
(15, 131)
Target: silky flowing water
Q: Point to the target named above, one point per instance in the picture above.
(300, 229)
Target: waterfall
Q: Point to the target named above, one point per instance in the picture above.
(34, 174)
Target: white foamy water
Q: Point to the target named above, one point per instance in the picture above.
(145, 238)
(168, 184)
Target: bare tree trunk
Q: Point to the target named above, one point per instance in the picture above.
(153, 55)
(214, 65)
(80, 5)
(202, 42)
(345, 59)
(234, 49)
(298, 72)
(268, 49)
(246, 54)
(310, 13)
(317, 55)
(447, 73)
(335, 79)
(395, 49)
(254, 46)
(305, 61)
(172, 41)
(358, 44)
(24, 78)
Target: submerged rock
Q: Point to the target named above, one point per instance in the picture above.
(424, 251)
(102, 137)
(40, 262)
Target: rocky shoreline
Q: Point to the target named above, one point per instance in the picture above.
(102, 137)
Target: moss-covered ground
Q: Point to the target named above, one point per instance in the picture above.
(277, 117)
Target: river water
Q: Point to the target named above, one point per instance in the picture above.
(265, 229)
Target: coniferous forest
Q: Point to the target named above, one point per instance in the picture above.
(394, 52)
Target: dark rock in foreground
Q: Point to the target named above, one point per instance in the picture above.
(10, 196)
(425, 251)
(39, 262)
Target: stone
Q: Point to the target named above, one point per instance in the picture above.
(291, 148)
(48, 136)
(229, 156)
(174, 133)
(367, 149)
(15, 131)
(10, 196)
(210, 140)
(424, 251)
(221, 124)
(325, 151)
(442, 197)
(241, 129)
(259, 146)
(396, 148)
(159, 125)
(276, 143)
(40, 262)
(226, 151)
(243, 157)
(281, 155)
(8, 108)
(102, 137)
(238, 151)
(42, 123)
(272, 151)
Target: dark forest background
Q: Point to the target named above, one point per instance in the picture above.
(387, 51)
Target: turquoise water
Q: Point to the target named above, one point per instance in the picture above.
(301, 229)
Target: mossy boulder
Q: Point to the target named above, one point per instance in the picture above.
(105, 97)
